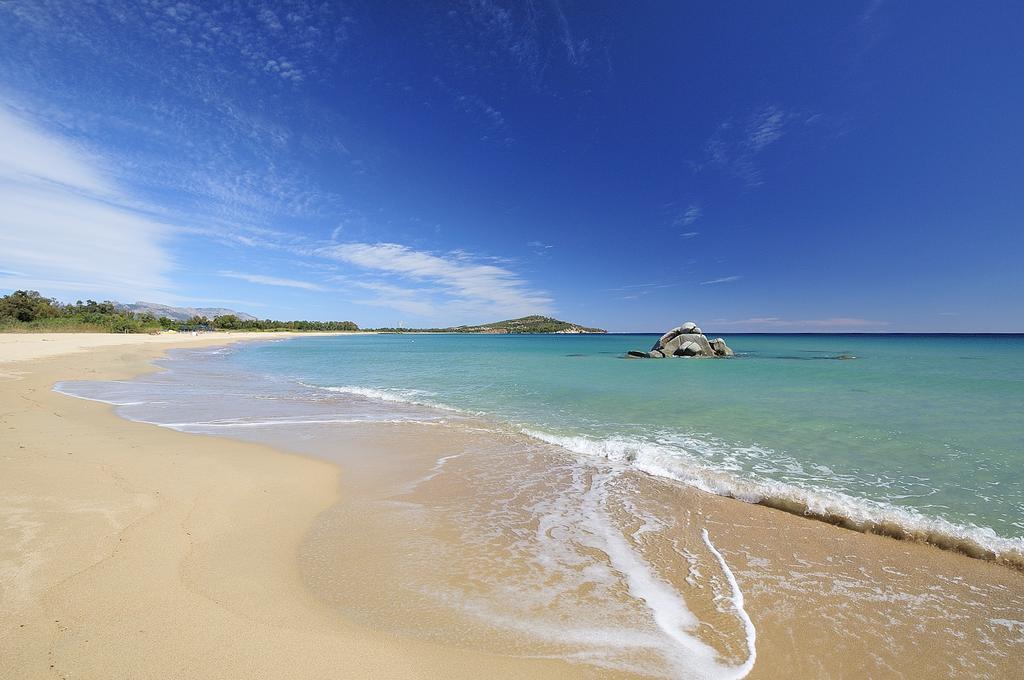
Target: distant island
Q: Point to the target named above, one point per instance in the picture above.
(29, 311)
(522, 325)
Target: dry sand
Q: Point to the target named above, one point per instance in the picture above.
(24, 346)
(130, 551)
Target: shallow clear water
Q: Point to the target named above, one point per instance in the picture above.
(923, 431)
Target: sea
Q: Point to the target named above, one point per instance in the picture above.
(913, 436)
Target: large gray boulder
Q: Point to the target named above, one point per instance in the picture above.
(687, 327)
(689, 349)
(721, 349)
(670, 347)
(686, 341)
(674, 347)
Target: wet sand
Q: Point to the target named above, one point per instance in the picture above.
(437, 550)
(824, 601)
(132, 551)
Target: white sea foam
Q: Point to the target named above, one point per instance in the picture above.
(826, 504)
(737, 603)
(398, 396)
(285, 422)
(438, 466)
(576, 545)
(668, 608)
(60, 389)
(434, 471)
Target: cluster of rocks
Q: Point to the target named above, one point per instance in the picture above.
(685, 341)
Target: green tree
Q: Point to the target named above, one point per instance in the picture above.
(28, 305)
(228, 321)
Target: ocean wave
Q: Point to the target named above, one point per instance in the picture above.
(395, 395)
(680, 460)
(835, 507)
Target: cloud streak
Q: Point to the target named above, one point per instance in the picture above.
(688, 216)
(457, 282)
(65, 226)
(736, 145)
(194, 105)
(271, 280)
(724, 279)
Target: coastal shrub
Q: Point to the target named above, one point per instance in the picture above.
(29, 311)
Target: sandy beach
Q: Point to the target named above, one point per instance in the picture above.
(134, 551)
(130, 551)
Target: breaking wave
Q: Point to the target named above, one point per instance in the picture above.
(398, 396)
(684, 460)
(859, 514)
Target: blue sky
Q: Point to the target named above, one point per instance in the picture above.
(751, 166)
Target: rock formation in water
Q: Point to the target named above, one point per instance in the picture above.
(685, 341)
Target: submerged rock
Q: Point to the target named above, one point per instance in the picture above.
(686, 340)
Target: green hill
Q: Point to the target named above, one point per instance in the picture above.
(528, 324)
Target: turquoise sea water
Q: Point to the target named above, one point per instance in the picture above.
(923, 433)
(930, 423)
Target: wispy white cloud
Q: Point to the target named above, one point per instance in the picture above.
(285, 69)
(414, 301)
(640, 286)
(459, 281)
(210, 126)
(724, 279)
(689, 216)
(575, 50)
(690, 234)
(764, 128)
(531, 36)
(66, 227)
(735, 145)
(539, 247)
(487, 118)
(271, 280)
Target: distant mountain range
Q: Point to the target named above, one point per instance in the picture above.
(182, 313)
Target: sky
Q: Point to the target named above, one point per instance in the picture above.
(799, 166)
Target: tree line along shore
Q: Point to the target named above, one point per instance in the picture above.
(28, 311)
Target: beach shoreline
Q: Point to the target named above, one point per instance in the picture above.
(129, 550)
(140, 551)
